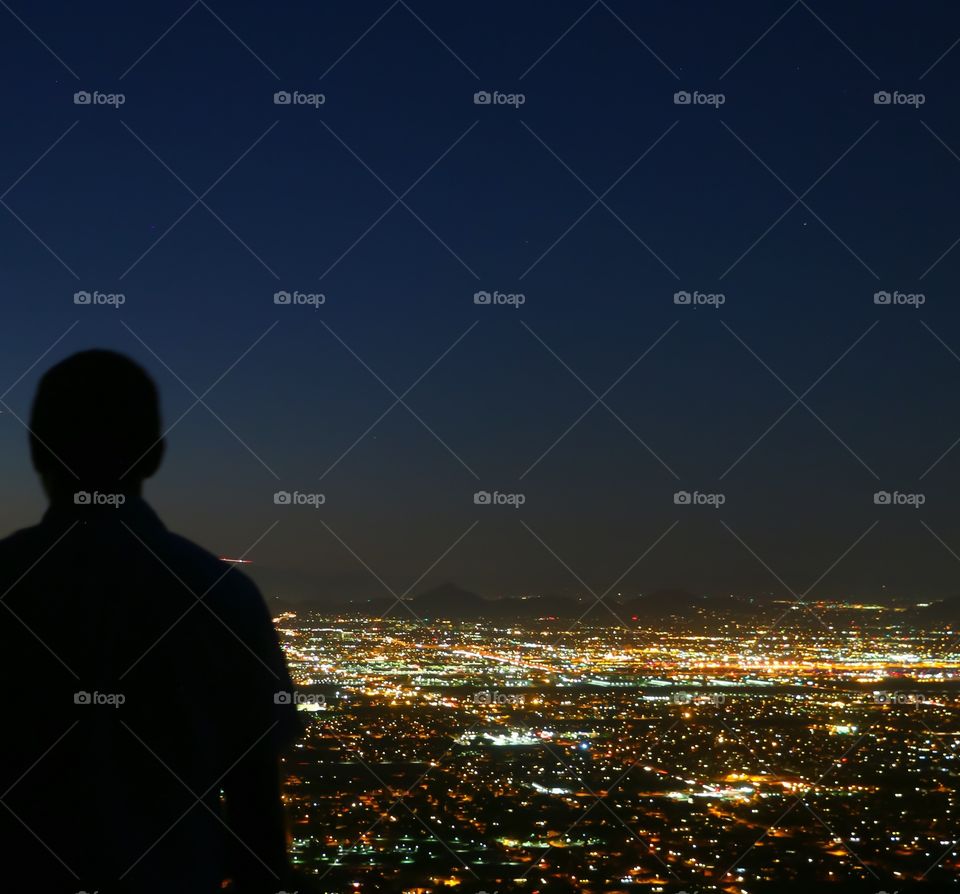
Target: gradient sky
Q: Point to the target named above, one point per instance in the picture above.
(302, 201)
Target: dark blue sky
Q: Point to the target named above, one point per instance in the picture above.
(301, 200)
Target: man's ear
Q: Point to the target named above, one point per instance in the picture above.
(152, 459)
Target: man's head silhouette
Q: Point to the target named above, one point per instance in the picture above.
(95, 424)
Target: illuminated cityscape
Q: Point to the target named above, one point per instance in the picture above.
(814, 747)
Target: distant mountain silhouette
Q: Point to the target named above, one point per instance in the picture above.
(453, 602)
(448, 600)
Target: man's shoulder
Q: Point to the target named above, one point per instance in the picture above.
(226, 582)
(20, 545)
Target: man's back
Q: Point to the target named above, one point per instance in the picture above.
(142, 673)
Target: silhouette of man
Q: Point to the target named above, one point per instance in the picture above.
(146, 696)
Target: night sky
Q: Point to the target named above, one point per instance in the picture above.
(596, 199)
